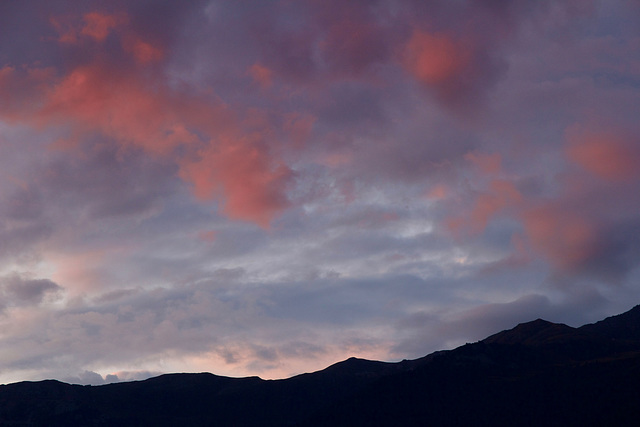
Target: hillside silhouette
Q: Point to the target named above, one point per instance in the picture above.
(538, 373)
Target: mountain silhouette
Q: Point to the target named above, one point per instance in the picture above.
(537, 332)
(538, 373)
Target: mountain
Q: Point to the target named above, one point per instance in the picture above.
(535, 333)
(624, 326)
(538, 373)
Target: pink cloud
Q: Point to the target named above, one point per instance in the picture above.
(118, 105)
(217, 153)
(495, 196)
(437, 192)
(207, 236)
(94, 25)
(98, 25)
(336, 159)
(456, 63)
(142, 51)
(66, 27)
(487, 163)
(565, 238)
(242, 172)
(435, 59)
(609, 155)
(500, 195)
(261, 75)
(80, 271)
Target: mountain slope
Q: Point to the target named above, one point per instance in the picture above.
(625, 326)
(538, 373)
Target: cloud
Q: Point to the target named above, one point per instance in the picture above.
(87, 378)
(94, 378)
(98, 97)
(240, 171)
(488, 164)
(500, 194)
(607, 155)
(447, 330)
(354, 41)
(270, 187)
(456, 64)
(18, 290)
(435, 59)
(567, 240)
(93, 25)
(261, 74)
(98, 25)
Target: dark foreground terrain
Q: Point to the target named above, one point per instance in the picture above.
(538, 373)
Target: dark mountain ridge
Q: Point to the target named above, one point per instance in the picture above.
(538, 373)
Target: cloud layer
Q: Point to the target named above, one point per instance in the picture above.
(267, 188)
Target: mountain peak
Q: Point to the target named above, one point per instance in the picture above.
(536, 332)
(357, 366)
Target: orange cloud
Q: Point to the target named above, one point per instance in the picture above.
(261, 75)
(335, 159)
(439, 191)
(220, 155)
(565, 238)
(608, 155)
(230, 167)
(242, 173)
(79, 271)
(119, 106)
(67, 32)
(487, 163)
(142, 51)
(207, 236)
(95, 25)
(434, 59)
(99, 25)
(500, 195)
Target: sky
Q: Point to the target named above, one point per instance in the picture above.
(269, 187)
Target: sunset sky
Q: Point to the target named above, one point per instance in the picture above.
(268, 187)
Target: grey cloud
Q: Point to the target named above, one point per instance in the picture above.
(24, 204)
(86, 378)
(426, 331)
(18, 290)
(18, 239)
(621, 251)
(353, 104)
(349, 302)
(430, 331)
(106, 182)
(94, 378)
(302, 349)
(131, 375)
